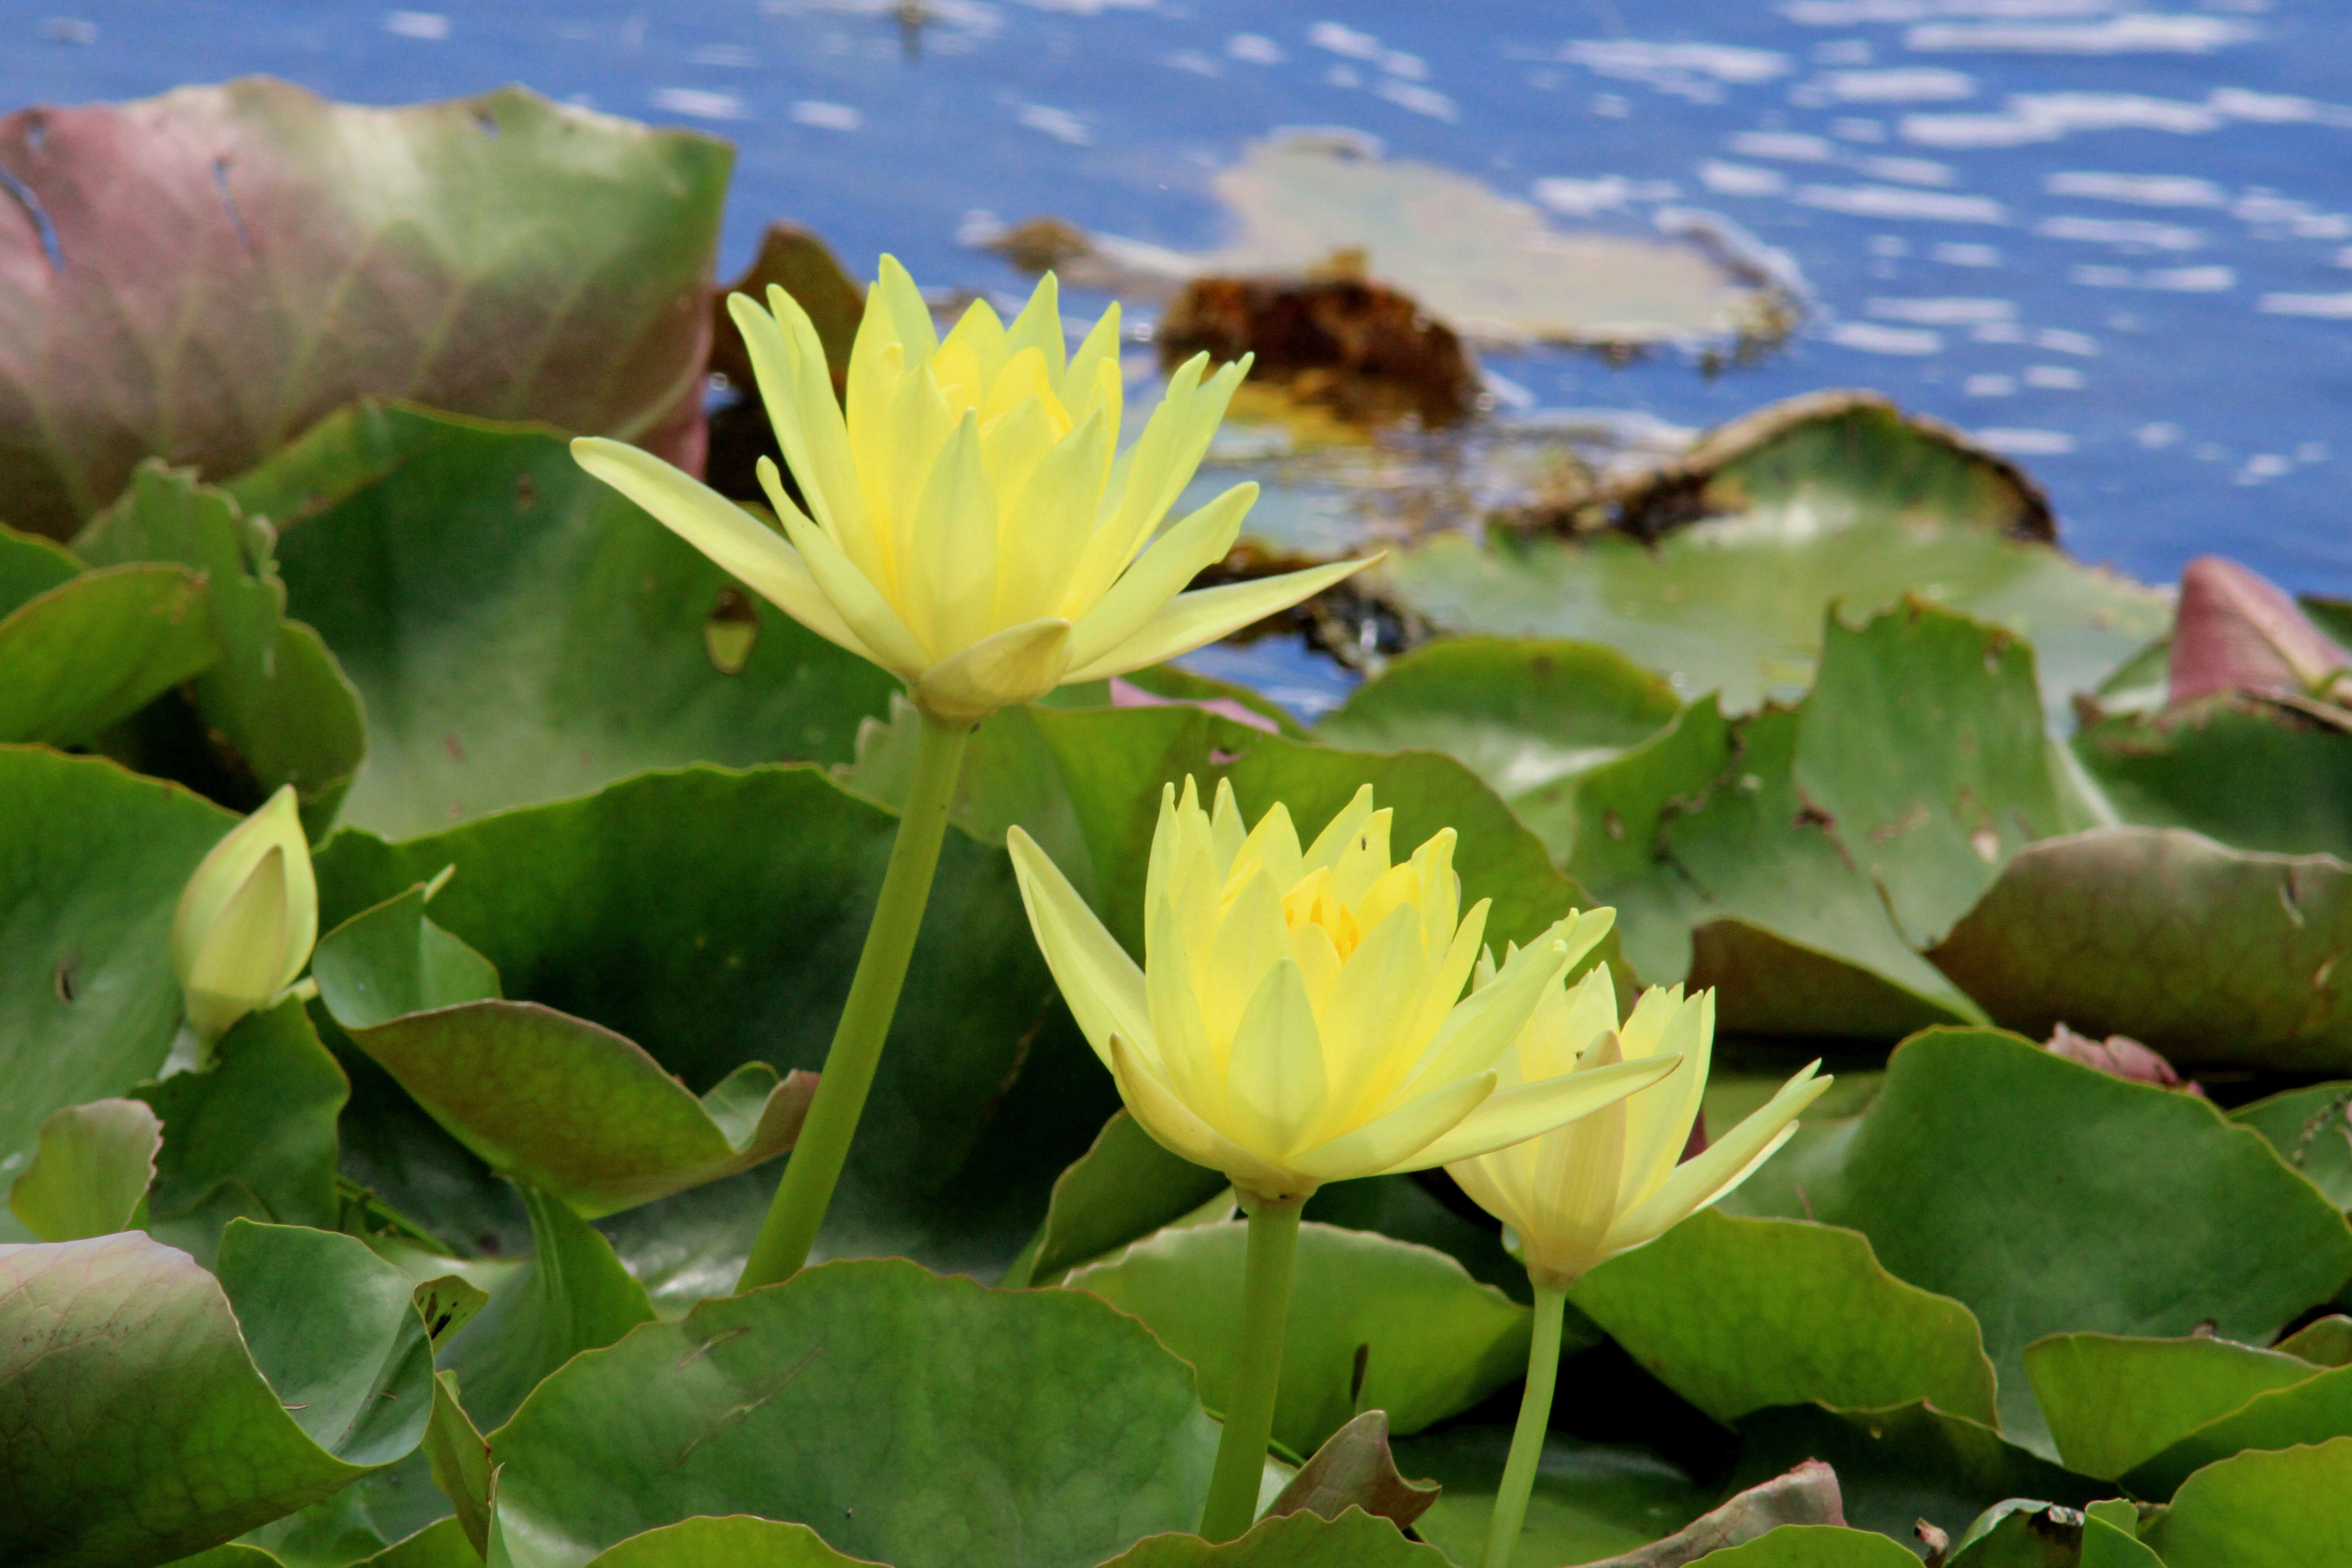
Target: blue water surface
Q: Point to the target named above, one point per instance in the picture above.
(2115, 241)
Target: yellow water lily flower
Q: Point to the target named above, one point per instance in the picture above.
(1299, 1017)
(1584, 1193)
(968, 525)
(246, 920)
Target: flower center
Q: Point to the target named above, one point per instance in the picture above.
(1316, 901)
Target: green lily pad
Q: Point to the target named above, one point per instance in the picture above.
(1922, 741)
(2311, 1132)
(913, 1419)
(498, 254)
(1409, 1208)
(1950, 1173)
(713, 917)
(99, 648)
(1590, 1499)
(519, 632)
(253, 1135)
(1527, 716)
(1832, 498)
(1375, 1324)
(151, 1410)
(1905, 1463)
(275, 710)
(575, 1110)
(1738, 1314)
(2112, 1401)
(2252, 774)
(2283, 1510)
(1723, 875)
(89, 1175)
(2105, 1545)
(571, 1295)
(31, 565)
(1122, 1189)
(1814, 1546)
(2315, 1410)
(1085, 784)
(736, 1541)
(92, 861)
(441, 1545)
(2213, 956)
(459, 1460)
(1806, 1494)
(1354, 1540)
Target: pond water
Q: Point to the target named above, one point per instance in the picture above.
(2112, 241)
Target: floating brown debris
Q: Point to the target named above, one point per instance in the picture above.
(1359, 349)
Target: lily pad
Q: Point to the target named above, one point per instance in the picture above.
(1738, 1314)
(573, 1110)
(1922, 743)
(715, 916)
(1354, 1540)
(1814, 1546)
(913, 1419)
(1355, 1468)
(2311, 1132)
(1905, 1463)
(498, 254)
(1950, 1174)
(99, 648)
(2212, 956)
(2250, 773)
(518, 631)
(1527, 716)
(92, 860)
(1833, 497)
(1121, 1190)
(1806, 1494)
(2315, 1410)
(1591, 1500)
(736, 1541)
(1723, 874)
(1085, 784)
(275, 708)
(2281, 1510)
(253, 1135)
(150, 1410)
(571, 1295)
(89, 1177)
(2114, 1403)
(1375, 1324)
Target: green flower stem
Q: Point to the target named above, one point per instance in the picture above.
(1527, 1437)
(1257, 1370)
(813, 1168)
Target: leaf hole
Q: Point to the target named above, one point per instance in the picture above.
(34, 211)
(733, 628)
(65, 978)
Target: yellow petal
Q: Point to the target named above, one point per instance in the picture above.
(1484, 1023)
(1369, 1006)
(1574, 1196)
(1136, 480)
(1039, 327)
(1180, 1131)
(799, 405)
(1091, 381)
(1191, 620)
(1102, 984)
(1273, 1073)
(910, 318)
(1018, 664)
(1393, 1142)
(1251, 940)
(1045, 525)
(861, 605)
(1516, 1115)
(1200, 540)
(949, 579)
(1660, 1122)
(739, 544)
(1727, 1161)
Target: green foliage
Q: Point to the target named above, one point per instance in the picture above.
(1375, 1324)
(519, 632)
(613, 829)
(922, 1420)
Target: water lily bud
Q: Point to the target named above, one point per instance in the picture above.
(967, 526)
(1300, 1016)
(246, 920)
(1584, 1193)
